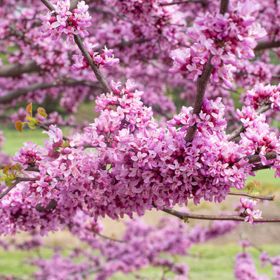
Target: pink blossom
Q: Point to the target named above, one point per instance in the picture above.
(247, 208)
(226, 39)
(66, 21)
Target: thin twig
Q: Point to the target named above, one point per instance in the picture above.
(235, 134)
(46, 128)
(252, 159)
(109, 238)
(185, 216)
(18, 180)
(261, 197)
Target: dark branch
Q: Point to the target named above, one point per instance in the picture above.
(201, 88)
(267, 45)
(48, 5)
(202, 83)
(46, 128)
(125, 44)
(16, 70)
(224, 6)
(202, 2)
(257, 158)
(93, 66)
(40, 86)
(261, 167)
(18, 180)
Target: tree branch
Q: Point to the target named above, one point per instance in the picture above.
(202, 83)
(270, 197)
(124, 44)
(185, 216)
(109, 238)
(257, 158)
(46, 128)
(252, 159)
(40, 86)
(16, 70)
(202, 2)
(18, 180)
(200, 91)
(267, 45)
(49, 5)
(73, 4)
(99, 76)
(261, 167)
(224, 6)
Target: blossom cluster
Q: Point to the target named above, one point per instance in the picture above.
(255, 72)
(64, 21)
(200, 234)
(257, 135)
(247, 208)
(262, 95)
(150, 19)
(1, 139)
(226, 40)
(104, 58)
(59, 268)
(245, 268)
(274, 261)
(141, 33)
(125, 156)
(270, 12)
(128, 160)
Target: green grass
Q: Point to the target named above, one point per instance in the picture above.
(213, 263)
(266, 177)
(16, 262)
(15, 139)
(217, 262)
